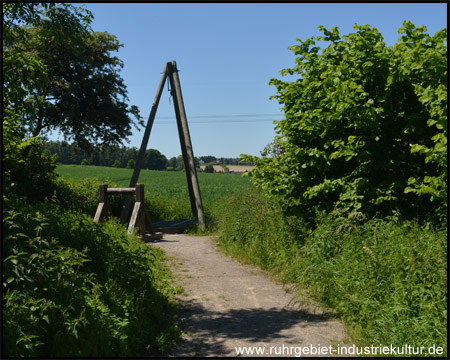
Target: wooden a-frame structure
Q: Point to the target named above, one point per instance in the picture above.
(171, 71)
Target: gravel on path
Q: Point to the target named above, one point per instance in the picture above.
(226, 305)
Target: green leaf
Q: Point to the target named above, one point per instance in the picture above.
(33, 256)
(440, 147)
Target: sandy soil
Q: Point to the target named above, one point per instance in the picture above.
(228, 304)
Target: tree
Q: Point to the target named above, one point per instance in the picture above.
(76, 88)
(28, 170)
(273, 149)
(365, 126)
(154, 160)
(172, 162)
(84, 162)
(21, 63)
(209, 168)
(180, 163)
(131, 164)
(208, 159)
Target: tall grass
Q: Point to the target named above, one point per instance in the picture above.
(385, 278)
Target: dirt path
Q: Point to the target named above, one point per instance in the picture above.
(227, 304)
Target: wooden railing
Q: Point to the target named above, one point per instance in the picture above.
(139, 217)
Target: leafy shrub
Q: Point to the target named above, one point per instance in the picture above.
(77, 195)
(76, 288)
(131, 164)
(385, 278)
(28, 171)
(365, 126)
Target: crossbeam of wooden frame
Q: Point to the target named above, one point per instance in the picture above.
(171, 71)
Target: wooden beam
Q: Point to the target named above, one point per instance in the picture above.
(182, 139)
(130, 190)
(186, 144)
(103, 204)
(134, 217)
(137, 169)
(140, 193)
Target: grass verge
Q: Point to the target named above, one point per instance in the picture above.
(386, 279)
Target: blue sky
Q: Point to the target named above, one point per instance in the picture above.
(226, 54)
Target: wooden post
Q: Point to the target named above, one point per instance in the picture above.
(182, 141)
(186, 146)
(137, 169)
(139, 217)
(139, 192)
(103, 204)
(144, 222)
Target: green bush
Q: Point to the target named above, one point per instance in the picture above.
(72, 287)
(83, 195)
(131, 164)
(385, 278)
(28, 171)
(209, 168)
(365, 126)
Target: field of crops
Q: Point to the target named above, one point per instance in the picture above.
(167, 190)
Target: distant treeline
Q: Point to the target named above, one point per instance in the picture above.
(126, 157)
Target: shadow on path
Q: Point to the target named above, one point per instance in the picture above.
(208, 330)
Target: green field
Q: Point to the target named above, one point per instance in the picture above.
(166, 190)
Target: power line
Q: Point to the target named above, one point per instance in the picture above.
(218, 121)
(223, 119)
(220, 116)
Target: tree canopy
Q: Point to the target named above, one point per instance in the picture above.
(365, 126)
(20, 61)
(154, 160)
(27, 170)
(61, 76)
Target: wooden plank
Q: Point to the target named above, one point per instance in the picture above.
(137, 169)
(99, 214)
(172, 229)
(185, 138)
(103, 204)
(153, 236)
(134, 217)
(130, 190)
(174, 223)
